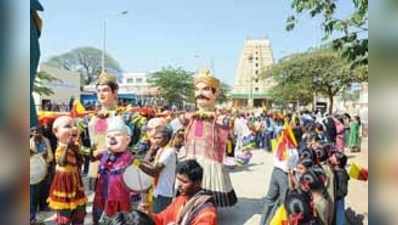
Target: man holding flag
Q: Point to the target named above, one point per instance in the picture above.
(285, 158)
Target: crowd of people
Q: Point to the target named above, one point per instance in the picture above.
(310, 184)
(186, 156)
(343, 130)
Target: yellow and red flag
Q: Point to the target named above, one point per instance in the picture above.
(47, 117)
(357, 172)
(285, 141)
(77, 108)
(280, 217)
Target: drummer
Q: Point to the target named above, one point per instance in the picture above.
(111, 195)
(162, 169)
(39, 145)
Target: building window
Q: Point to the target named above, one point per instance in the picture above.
(256, 80)
(256, 64)
(256, 71)
(256, 89)
(138, 80)
(130, 80)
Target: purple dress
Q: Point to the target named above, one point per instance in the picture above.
(111, 194)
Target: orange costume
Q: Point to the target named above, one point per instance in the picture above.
(195, 211)
(67, 195)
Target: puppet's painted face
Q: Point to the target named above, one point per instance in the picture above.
(106, 96)
(205, 95)
(64, 130)
(117, 141)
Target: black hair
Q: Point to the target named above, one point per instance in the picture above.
(307, 162)
(319, 126)
(307, 153)
(191, 169)
(321, 154)
(297, 202)
(310, 127)
(319, 172)
(341, 158)
(312, 180)
(38, 128)
(329, 149)
(134, 217)
(359, 119)
(340, 118)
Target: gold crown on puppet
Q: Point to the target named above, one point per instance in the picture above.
(208, 78)
(106, 78)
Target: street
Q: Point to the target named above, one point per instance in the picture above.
(251, 184)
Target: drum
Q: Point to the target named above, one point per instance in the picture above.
(244, 157)
(230, 162)
(38, 169)
(136, 180)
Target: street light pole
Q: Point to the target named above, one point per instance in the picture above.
(104, 48)
(104, 43)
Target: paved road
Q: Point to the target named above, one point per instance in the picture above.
(251, 184)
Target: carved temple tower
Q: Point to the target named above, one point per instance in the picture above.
(249, 90)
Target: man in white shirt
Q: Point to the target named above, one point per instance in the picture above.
(279, 184)
(162, 169)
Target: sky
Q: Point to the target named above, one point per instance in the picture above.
(186, 33)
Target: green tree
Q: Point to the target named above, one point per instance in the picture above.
(41, 81)
(175, 85)
(224, 91)
(290, 92)
(321, 71)
(353, 43)
(87, 61)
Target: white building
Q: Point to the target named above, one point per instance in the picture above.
(132, 83)
(136, 83)
(67, 85)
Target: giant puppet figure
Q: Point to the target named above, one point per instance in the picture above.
(206, 139)
(107, 94)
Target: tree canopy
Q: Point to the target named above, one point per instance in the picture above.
(224, 91)
(87, 61)
(321, 71)
(353, 43)
(174, 84)
(39, 85)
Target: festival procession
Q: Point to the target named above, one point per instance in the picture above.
(286, 144)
